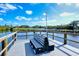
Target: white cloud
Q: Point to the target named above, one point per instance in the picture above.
(8, 22)
(66, 14)
(65, 4)
(77, 15)
(1, 19)
(77, 4)
(44, 14)
(7, 6)
(43, 19)
(29, 12)
(53, 22)
(68, 4)
(43, 23)
(36, 18)
(15, 23)
(20, 7)
(34, 4)
(3, 6)
(2, 11)
(22, 18)
(60, 4)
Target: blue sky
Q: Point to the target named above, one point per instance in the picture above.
(33, 13)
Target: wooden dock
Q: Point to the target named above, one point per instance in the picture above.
(22, 48)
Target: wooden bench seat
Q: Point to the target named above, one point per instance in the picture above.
(36, 44)
(41, 43)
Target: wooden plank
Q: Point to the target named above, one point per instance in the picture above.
(18, 49)
(67, 48)
(14, 51)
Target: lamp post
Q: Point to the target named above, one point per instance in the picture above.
(45, 14)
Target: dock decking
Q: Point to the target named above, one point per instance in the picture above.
(22, 47)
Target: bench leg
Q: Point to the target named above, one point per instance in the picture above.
(31, 44)
(51, 48)
(39, 50)
(36, 51)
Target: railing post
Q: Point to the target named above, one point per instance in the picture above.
(26, 35)
(14, 37)
(4, 44)
(65, 38)
(34, 32)
(53, 35)
(40, 32)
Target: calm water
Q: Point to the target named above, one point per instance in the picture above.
(30, 36)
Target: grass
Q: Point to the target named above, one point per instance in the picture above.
(24, 29)
(3, 29)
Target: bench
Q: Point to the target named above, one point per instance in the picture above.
(40, 44)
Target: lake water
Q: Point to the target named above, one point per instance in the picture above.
(30, 36)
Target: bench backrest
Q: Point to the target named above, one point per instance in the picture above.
(41, 40)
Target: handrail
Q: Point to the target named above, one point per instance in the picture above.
(6, 47)
(3, 40)
(7, 36)
(63, 38)
(52, 30)
(5, 44)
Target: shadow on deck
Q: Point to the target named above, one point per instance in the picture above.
(22, 48)
(29, 51)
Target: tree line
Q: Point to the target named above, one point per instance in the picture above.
(10, 27)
